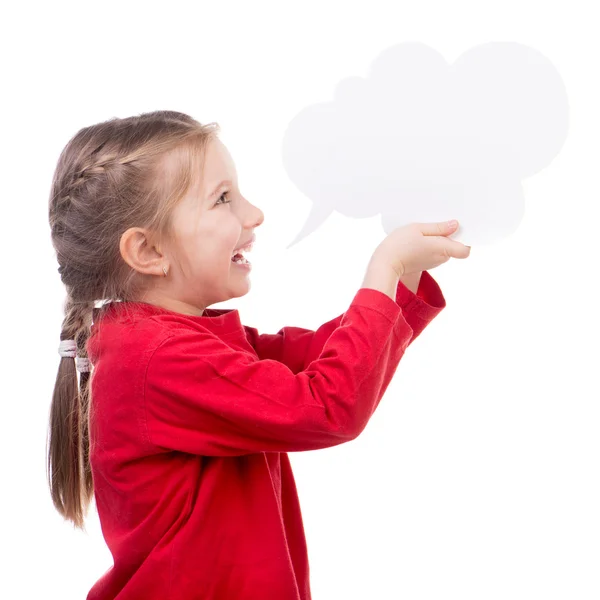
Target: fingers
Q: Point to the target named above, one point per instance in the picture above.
(442, 228)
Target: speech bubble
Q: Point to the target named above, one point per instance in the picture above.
(420, 140)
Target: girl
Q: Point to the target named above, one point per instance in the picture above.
(191, 413)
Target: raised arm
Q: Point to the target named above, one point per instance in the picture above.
(202, 396)
(296, 347)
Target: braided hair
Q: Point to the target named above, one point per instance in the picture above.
(111, 176)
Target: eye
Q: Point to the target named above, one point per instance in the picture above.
(222, 196)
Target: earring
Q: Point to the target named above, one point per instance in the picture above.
(164, 270)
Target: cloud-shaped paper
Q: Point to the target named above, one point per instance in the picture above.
(419, 140)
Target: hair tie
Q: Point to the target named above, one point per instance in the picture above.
(68, 349)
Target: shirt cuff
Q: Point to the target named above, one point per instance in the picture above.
(427, 302)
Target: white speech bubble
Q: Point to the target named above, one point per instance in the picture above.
(419, 140)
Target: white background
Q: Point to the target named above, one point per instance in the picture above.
(478, 475)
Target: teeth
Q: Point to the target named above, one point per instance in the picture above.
(242, 250)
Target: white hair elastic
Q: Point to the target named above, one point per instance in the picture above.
(68, 349)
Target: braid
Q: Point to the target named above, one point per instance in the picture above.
(111, 176)
(102, 165)
(78, 317)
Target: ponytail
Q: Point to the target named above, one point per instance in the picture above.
(69, 472)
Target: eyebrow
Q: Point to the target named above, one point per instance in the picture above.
(218, 187)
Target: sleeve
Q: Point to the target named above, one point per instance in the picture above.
(202, 396)
(421, 308)
(292, 345)
(297, 347)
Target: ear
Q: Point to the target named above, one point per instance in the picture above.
(139, 253)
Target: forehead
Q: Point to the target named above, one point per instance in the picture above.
(218, 167)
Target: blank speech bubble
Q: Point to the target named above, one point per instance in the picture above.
(419, 140)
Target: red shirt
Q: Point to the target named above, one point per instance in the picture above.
(191, 421)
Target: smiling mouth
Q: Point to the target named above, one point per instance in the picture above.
(240, 259)
(238, 256)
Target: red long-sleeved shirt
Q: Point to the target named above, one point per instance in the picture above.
(191, 422)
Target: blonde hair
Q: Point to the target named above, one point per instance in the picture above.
(110, 176)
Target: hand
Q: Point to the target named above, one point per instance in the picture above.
(418, 247)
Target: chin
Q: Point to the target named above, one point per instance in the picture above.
(240, 290)
(246, 290)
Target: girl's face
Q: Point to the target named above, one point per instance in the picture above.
(209, 223)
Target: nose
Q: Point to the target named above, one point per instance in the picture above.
(254, 217)
(260, 217)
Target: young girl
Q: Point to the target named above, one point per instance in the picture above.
(191, 413)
